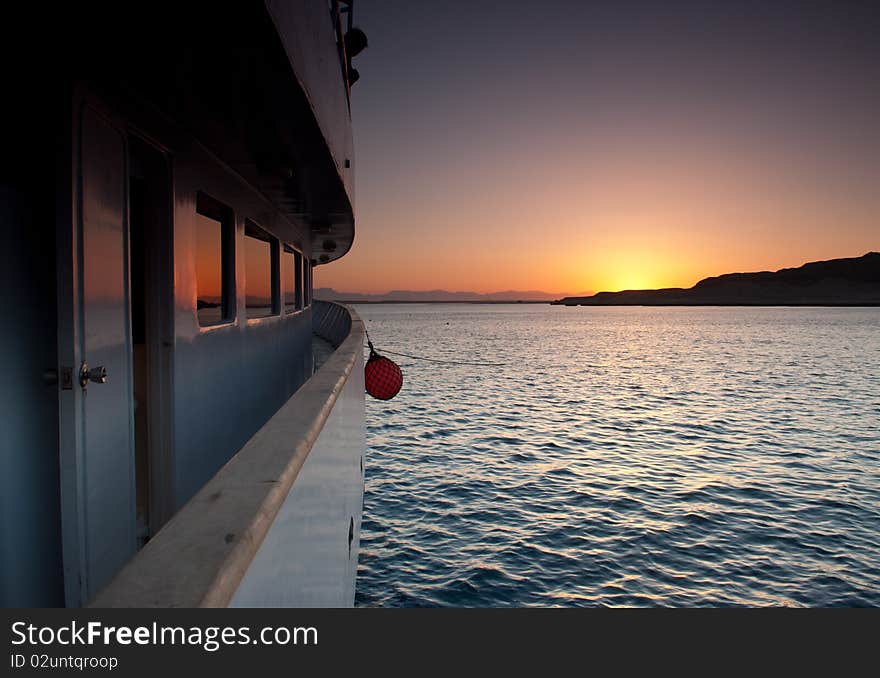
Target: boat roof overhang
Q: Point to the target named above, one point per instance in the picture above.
(241, 78)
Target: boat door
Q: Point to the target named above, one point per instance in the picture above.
(97, 416)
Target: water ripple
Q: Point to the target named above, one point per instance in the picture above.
(625, 456)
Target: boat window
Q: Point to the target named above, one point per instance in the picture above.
(215, 262)
(307, 281)
(298, 268)
(291, 274)
(260, 270)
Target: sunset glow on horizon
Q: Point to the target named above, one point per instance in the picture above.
(569, 148)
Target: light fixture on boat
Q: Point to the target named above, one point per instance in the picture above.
(355, 42)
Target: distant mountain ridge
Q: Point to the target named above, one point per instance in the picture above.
(837, 282)
(329, 294)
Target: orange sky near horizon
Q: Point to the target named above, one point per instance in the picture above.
(609, 149)
(641, 217)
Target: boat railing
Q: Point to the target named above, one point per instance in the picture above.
(330, 321)
(274, 525)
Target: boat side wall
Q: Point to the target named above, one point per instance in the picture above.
(309, 556)
(243, 136)
(30, 514)
(304, 26)
(279, 524)
(228, 379)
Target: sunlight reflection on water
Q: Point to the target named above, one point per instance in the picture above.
(624, 456)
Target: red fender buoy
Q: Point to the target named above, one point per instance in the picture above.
(382, 377)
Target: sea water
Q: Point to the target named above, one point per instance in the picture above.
(624, 456)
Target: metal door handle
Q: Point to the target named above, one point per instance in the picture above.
(96, 374)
